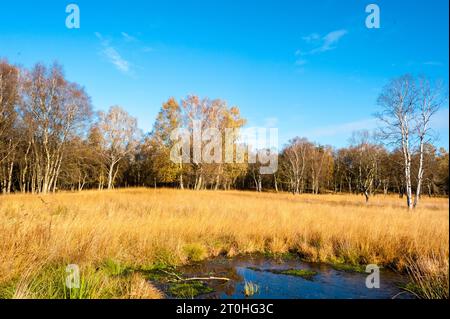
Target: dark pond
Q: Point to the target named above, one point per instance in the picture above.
(267, 275)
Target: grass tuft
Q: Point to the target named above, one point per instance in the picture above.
(303, 273)
(250, 289)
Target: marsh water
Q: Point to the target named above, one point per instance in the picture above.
(328, 282)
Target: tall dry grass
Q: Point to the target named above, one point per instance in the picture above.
(141, 227)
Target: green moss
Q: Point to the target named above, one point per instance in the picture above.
(195, 252)
(158, 266)
(158, 275)
(188, 290)
(159, 272)
(281, 256)
(303, 273)
(349, 268)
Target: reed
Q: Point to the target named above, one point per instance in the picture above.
(141, 228)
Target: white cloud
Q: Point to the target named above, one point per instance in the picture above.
(312, 37)
(127, 37)
(344, 128)
(331, 39)
(433, 63)
(317, 44)
(322, 44)
(113, 55)
(116, 59)
(301, 62)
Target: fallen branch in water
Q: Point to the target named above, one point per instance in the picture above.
(206, 278)
(171, 274)
(193, 278)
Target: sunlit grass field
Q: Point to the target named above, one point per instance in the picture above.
(140, 228)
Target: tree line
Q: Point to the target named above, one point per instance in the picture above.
(51, 139)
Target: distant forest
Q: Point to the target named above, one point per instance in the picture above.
(51, 140)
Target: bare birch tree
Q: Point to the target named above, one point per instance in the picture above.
(120, 134)
(407, 108)
(430, 99)
(398, 101)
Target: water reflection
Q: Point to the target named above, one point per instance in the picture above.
(328, 283)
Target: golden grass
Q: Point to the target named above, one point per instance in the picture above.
(140, 227)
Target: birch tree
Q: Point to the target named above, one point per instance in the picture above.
(398, 101)
(120, 134)
(407, 108)
(364, 157)
(53, 110)
(430, 99)
(9, 98)
(295, 158)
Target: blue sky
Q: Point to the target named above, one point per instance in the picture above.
(310, 68)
